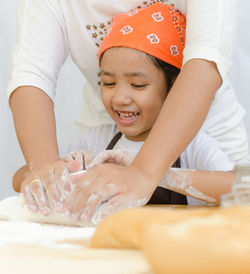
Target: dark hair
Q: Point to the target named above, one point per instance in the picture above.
(171, 72)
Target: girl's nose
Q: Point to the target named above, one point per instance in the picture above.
(122, 96)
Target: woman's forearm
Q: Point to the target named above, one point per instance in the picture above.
(182, 115)
(33, 114)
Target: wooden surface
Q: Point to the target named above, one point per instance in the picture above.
(42, 260)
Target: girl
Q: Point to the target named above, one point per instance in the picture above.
(138, 68)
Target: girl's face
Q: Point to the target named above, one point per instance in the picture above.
(133, 90)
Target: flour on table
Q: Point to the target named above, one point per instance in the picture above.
(16, 232)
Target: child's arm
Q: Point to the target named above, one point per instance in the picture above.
(200, 184)
(204, 185)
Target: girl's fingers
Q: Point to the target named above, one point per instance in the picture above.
(84, 157)
(87, 155)
(67, 158)
(78, 156)
(101, 158)
(74, 166)
(118, 157)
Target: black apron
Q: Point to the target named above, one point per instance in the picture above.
(161, 195)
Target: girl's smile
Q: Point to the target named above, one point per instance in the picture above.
(127, 118)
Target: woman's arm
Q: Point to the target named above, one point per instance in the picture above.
(38, 54)
(33, 114)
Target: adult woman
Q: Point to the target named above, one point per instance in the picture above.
(59, 27)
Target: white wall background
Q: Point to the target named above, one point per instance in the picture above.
(68, 109)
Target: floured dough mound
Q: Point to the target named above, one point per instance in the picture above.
(14, 208)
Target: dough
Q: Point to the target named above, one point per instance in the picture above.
(14, 208)
(124, 229)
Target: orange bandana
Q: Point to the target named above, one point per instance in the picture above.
(158, 30)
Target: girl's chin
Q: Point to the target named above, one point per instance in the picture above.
(130, 133)
(134, 135)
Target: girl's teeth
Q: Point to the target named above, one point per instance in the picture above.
(128, 116)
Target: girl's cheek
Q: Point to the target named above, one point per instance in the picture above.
(107, 101)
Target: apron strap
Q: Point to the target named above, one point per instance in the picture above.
(114, 141)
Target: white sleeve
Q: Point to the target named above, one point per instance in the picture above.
(210, 32)
(41, 46)
(204, 153)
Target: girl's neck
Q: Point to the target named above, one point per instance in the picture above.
(139, 138)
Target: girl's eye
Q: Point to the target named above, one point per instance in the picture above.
(139, 86)
(108, 84)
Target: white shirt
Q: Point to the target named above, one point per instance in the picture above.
(203, 153)
(50, 30)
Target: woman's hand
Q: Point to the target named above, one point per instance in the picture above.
(107, 188)
(49, 187)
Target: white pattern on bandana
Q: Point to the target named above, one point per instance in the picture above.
(157, 16)
(127, 29)
(174, 50)
(154, 39)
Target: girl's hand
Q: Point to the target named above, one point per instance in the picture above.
(83, 156)
(118, 157)
(49, 187)
(105, 189)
